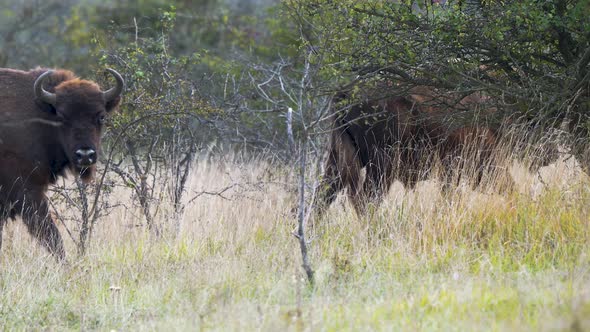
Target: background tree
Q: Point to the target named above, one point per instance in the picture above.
(532, 56)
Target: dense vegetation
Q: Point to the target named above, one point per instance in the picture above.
(228, 101)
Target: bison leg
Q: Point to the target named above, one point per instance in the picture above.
(413, 163)
(349, 167)
(378, 179)
(410, 175)
(342, 170)
(451, 172)
(40, 225)
(371, 192)
(353, 178)
(331, 183)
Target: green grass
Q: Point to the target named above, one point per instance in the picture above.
(421, 262)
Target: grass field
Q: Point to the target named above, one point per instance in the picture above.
(469, 261)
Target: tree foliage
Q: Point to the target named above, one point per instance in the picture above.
(532, 52)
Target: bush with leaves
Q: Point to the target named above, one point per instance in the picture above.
(532, 57)
(153, 142)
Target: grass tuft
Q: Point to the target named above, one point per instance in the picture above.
(422, 261)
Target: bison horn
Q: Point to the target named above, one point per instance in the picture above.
(114, 92)
(41, 93)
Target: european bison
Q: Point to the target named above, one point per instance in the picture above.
(50, 124)
(401, 137)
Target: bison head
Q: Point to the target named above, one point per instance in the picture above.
(80, 107)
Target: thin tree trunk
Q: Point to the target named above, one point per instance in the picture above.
(85, 227)
(301, 215)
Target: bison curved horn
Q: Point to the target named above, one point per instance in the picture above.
(114, 92)
(41, 93)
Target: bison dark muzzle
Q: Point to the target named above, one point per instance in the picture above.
(50, 125)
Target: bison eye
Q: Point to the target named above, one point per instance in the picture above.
(101, 119)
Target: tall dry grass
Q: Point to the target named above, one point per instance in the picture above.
(424, 260)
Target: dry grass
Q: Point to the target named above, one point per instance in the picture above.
(469, 261)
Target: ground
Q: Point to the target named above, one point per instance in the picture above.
(423, 261)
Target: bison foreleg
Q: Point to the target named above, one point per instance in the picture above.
(342, 170)
(376, 185)
(330, 185)
(40, 225)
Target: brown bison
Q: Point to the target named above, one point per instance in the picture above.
(401, 138)
(50, 124)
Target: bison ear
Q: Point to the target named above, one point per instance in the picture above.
(113, 104)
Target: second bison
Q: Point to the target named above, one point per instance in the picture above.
(402, 138)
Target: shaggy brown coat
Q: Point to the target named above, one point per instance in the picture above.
(399, 138)
(45, 132)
